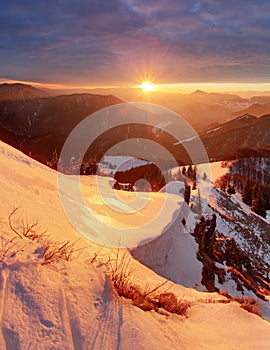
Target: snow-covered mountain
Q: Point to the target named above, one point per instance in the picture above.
(228, 249)
(59, 304)
(245, 131)
(38, 124)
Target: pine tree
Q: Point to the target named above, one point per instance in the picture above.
(195, 174)
(184, 171)
(190, 172)
(199, 203)
(231, 189)
(247, 192)
(258, 201)
(187, 194)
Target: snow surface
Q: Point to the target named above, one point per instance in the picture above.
(213, 130)
(173, 187)
(119, 163)
(72, 305)
(186, 140)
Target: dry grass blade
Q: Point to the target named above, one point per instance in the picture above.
(9, 248)
(29, 230)
(148, 299)
(55, 251)
(149, 290)
(14, 211)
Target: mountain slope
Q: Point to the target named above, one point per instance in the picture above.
(222, 140)
(256, 109)
(18, 91)
(199, 108)
(227, 249)
(37, 123)
(72, 305)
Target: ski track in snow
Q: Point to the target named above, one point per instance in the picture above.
(60, 318)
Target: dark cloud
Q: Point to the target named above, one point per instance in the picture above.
(100, 42)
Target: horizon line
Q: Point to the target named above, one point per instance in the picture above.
(174, 88)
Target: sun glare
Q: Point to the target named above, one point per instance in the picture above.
(147, 86)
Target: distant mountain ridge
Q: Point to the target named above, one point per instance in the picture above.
(38, 124)
(20, 91)
(256, 109)
(35, 122)
(244, 131)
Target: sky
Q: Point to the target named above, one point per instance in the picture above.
(125, 42)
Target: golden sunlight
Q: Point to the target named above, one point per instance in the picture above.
(147, 86)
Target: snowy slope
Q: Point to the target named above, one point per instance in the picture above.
(174, 255)
(71, 305)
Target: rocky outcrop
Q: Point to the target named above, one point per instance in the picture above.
(215, 250)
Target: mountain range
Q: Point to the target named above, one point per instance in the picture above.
(38, 122)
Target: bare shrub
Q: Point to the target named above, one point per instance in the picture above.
(8, 250)
(146, 299)
(169, 302)
(146, 304)
(20, 225)
(120, 272)
(225, 293)
(55, 251)
(239, 299)
(249, 304)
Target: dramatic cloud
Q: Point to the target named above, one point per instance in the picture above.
(97, 42)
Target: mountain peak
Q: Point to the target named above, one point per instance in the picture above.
(16, 85)
(18, 91)
(199, 92)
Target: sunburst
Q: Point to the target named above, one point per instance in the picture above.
(147, 86)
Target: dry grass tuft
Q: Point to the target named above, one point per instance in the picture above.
(20, 225)
(55, 251)
(120, 272)
(9, 249)
(249, 304)
(169, 302)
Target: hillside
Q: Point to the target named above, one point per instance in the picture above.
(38, 124)
(232, 251)
(199, 108)
(246, 131)
(72, 304)
(21, 92)
(256, 109)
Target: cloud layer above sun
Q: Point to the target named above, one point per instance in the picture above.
(99, 42)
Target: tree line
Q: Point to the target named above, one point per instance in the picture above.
(250, 177)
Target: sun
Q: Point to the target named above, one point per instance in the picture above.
(147, 86)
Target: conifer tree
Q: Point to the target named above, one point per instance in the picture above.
(231, 189)
(247, 192)
(199, 203)
(187, 194)
(258, 201)
(184, 171)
